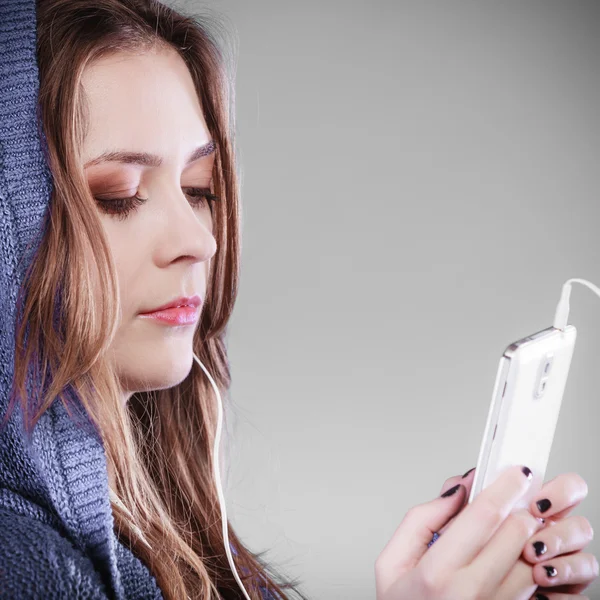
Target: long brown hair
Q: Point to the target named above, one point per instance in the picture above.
(159, 445)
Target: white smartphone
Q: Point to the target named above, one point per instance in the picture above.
(526, 401)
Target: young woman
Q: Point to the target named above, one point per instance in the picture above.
(119, 196)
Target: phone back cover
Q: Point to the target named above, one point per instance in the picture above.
(525, 424)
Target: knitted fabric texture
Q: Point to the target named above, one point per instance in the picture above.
(56, 523)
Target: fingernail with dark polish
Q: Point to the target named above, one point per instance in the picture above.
(551, 571)
(543, 505)
(451, 491)
(540, 548)
(527, 472)
(467, 473)
(541, 597)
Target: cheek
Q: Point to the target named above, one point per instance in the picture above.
(128, 253)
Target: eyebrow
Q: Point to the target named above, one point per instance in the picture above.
(146, 159)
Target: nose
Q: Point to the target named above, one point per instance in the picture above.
(185, 233)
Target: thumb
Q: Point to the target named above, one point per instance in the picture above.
(409, 542)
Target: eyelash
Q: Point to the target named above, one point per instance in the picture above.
(121, 207)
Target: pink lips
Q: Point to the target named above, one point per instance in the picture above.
(182, 311)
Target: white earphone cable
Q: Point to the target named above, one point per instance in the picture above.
(217, 475)
(562, 309)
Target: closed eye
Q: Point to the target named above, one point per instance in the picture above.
(122, 207)
(201, 193)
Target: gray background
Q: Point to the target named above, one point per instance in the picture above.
(419, 179)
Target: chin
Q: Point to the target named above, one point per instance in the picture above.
(160, 373)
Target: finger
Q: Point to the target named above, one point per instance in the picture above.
(467, 481)
(466, 478)
(477, 523)
(578, 568)
(566, 589)
(443, 529)
(518, 584)
(547, 595)
(569, 535)
(499, 555)
(559, 496)
(409, 542)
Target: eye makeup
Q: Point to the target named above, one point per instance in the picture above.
(122, 207)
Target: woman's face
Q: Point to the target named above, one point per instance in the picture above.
(147, 103)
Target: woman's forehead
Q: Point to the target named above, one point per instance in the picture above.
(145, 102)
